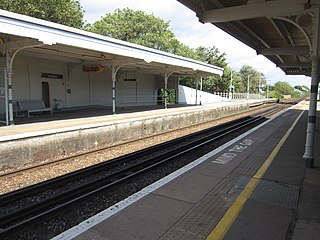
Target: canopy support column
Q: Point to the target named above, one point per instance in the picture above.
(200, 97)
(166, 77)
(114, 79)
(114, 71)
(10, 55)
(308, 155)
(230, 87)
(9, 98)
(197, 86)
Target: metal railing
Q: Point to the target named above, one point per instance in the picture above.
(139, 100)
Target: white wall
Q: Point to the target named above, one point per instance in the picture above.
(188, 96)
(79, 88)
(136, 93)
(27, 79)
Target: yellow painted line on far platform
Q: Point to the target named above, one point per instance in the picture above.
(230, 216)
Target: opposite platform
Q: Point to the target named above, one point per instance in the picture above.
(51, 140)
(192, 202)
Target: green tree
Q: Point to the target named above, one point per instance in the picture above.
(66, 12)
(283, 88)
(137, 27)
(304, 90)
(210, 55)
(185, 51)
(255, 77)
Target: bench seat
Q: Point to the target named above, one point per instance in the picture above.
(33, 106)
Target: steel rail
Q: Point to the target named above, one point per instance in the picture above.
(70, 197)
(57, 161)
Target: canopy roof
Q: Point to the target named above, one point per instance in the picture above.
(281, 30)
(50, 40)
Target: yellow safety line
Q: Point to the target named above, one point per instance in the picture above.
(230, 216)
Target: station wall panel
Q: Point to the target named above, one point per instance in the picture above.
(71, 87)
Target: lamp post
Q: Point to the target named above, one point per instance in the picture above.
(259, 87)
(248, 87)
(230, 87)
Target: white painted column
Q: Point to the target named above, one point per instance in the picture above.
(259, 87)
(248, 87)
(9, 101)
(308, 155)
(200, 90)
(197, 86)
(114, 79)
(166, 76)
(6, 96)
(230, 86)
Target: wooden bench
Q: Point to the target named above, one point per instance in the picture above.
(33, 106)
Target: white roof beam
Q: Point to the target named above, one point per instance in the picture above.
(255, 10)
(284, 51)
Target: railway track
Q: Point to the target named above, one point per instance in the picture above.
(21, 210)
(39, 166)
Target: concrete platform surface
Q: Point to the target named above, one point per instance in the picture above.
(45, 125)
(194, 202)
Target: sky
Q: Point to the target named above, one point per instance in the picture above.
(188, 30)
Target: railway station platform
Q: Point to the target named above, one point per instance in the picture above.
(64, 134)
(253, 187)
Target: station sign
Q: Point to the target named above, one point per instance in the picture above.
(52, 75)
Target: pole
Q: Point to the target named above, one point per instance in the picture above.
(197, 83)
(9, 61)
(259, 87)
(248, 87)
(230, 87)
(308, 155)
(200, 89)
(6, 96)
(114, 74)
(166, 76)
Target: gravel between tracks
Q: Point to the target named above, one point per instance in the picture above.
(29, 177)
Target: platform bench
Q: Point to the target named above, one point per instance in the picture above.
(33, 106)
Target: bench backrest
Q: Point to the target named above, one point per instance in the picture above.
(31, 105)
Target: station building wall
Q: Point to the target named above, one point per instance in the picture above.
(73, 87)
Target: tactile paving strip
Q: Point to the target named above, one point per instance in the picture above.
(277, 193)
(202, 218)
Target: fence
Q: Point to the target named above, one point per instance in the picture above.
(239, 96)
(139, 100)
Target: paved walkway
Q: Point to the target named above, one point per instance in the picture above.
(254, 187)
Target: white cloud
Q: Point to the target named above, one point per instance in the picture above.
(190, 31)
